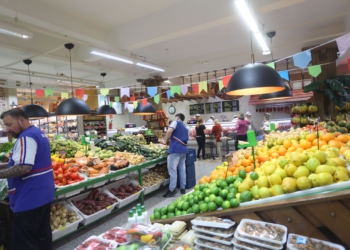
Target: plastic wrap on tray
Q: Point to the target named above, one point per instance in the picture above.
(180, 245)
(258, 242)
(117, 234)
(145, 234)
(211, 221)
(96, 243)
(296, 242)
(215, 231)
(212, 245)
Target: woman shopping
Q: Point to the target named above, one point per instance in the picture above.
(200, 137)
(217, 130)
(241, 128)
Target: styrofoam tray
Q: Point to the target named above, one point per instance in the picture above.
(222, 247)
(195, 228)
(223, 223)
(166, 182)
(116, 184)
(87, 219)
(241, 231)
(207, 237)
(259, 242)
(74, 192)
(98, 184)
(112, 244)
(127, 242)
(58, 233)
(311, 191)
(118, 177)
(250, 247)
(290, 246)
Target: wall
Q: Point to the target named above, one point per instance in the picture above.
(120, 120)
(183, 107)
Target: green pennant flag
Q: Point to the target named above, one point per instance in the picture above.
(104, 91)
(174, 90)
(116, 98)
(64, 95)
(221, 85)
(156, 99)
(111, 104)
(203, 86)
(48, 92)
(272, 65)
(135, 104)
(315, 70)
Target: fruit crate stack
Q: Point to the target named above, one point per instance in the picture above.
(213, 232)
(251, 234)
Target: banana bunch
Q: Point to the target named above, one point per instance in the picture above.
(296, 119)
(303, 108)
(312, 108)
(303, 120)
(340, 117)
(295, 109)
(347, 106)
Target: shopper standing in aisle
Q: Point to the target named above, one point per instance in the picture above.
(234, 120)
(211, 120)
(266, 123)
(177, 135)
(200, 137)
(217, 132)
(30, 181)
(241, 128)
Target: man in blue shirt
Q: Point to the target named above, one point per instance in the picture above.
(30, 180)
(177, 135)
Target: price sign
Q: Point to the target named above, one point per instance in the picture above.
(230, 106)
(196, 109)
(208, 108)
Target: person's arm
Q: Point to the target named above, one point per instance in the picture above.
(168, 135)
(15, 171)
(236, 127)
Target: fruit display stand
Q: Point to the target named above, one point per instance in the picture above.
(323, 216)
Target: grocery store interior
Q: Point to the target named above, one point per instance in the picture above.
(103, 80)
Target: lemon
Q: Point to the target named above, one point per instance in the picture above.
(312, 164)
(312, 178)
(276, 190)
(269, 169)
(296, 159)
(275, 179)
(321, 156)
(290, 169)
(281, 172)
(340, 176)
(255, 192)
(244, 186)
(304, 156)
(345, 170)
(263, 182)
(301, 171)
(324, 169)
(304, 183)
(264, 192)
(282, 162)
(324, 179)
(289, 185)
(339, 162)
(330, 162)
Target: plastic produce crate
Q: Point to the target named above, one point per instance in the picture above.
(149, 189)
(117, 184)
(60, 232)
(191, 156)
(190, 176)
(87, 219)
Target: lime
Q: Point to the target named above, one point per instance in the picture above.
(189, 211)
(191, 201)
(231, 185)
(254, 176)
(195, 208)
(233, 190)
(206, 192)
(178, 213)
(164, 216)
(171, 215)
(223, 193)
(218, 181)
(203, 207)
(157, 215)
(215, 191)
(201, 187)
(230, 196)
(246, 196)
(185, 205)
(196, 187)
(226, 205)
(183, 213)
(212, 206)
(200, 196)
(163, 210)
(240, 179)
(242, 173)
(156, 210)
(152, 217)
(171, 208)
(195, 200)
(206, 200)
(212, 197)
(200, 202)
(234, 202)
(218, 201)
(223, 184)
(190, 196)
(230, 179)
(184, 198)
(237, 183)
(179, 206)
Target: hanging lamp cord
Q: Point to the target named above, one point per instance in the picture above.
(30, 84)
(71, 74)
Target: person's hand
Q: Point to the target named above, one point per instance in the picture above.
(162, 141)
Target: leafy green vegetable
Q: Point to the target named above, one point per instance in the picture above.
(6, 147)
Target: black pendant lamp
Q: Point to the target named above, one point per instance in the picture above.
(105, 110)
(255, 79)
(145, 110)
(33, 111)
(72, 106)
(286, 93)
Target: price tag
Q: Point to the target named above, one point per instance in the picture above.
(108, 207)
(62, 228)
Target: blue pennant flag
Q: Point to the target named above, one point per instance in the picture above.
(168, 94)
(284, 74)
(152, 91)
(302, 59)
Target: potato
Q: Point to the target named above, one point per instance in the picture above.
(65, 210)
(55, 224)
(58, 206)
(63, 215)
(58, 219)
(58, 213)
(63, 221)
(52, 218)
(53, 208)
(72, 219)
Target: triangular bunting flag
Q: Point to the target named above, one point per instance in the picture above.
(156, 99)
(184, 89)
(85, 97)
(195, 88)
(151, 91)
(225, 80)
(302, 59)
(125, 91)
(79, 93)
(48, 92)
(119, 105)
(272, 65)
(116, 99)
(135, 104)
(104, 91)
(64, 95)
(315, 70)
(111, 104)
(39, 93)
(203, 86)
(221, 85)
(130, 107)
(168, 94)
(144, 102)
(132, 98)
(284, 74)
(174, 90)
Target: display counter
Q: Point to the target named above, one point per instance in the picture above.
(324, 216)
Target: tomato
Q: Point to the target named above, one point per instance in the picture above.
(54, 177)
(64, 167)
(59, 177)
(64, 181)
(59, 164)
(74, 169)
(70, 182)
(57, 182)
(74, 176)
(67, 174)
(60, 170)
(54, 164)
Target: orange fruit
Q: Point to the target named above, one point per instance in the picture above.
(249, 169)
(342, 138)
(287, 144)
(246, 156)
(214, 176)
(291, 149)
(229, 173)
(343, 149)
(241, 168)
(282, 151)
(238, 164)
(231, 169)
(334, 143)
(263, 158)
(328, 137)
(322, 143)
(305, 144)
(245, 163)
(206, 178)
(275, 155)
(201, 181)
(310, 137)
(235, 172)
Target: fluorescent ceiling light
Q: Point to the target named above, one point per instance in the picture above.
(243, 8)
(261, 41)
(111, 57)
(150, 67)
(265, 53)
(15, 31)
(167, 81)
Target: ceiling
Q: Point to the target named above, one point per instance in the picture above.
(183, 37)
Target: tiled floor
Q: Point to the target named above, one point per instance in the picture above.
(203, 167)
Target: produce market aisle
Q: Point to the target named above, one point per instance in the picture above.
(120, 218)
